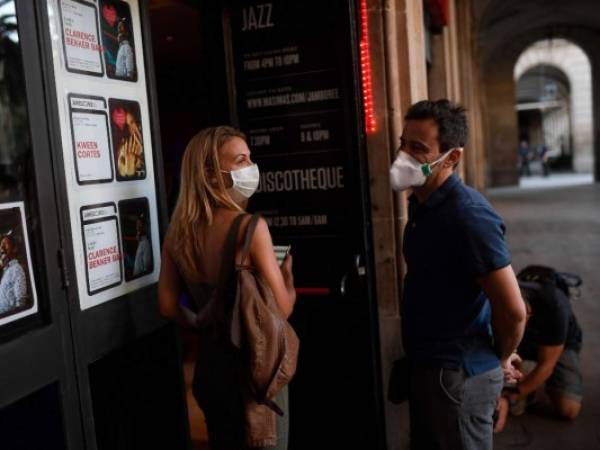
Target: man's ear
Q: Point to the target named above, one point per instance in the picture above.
(454, 157)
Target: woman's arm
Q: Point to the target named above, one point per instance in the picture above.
(169, 288)
(280, 279)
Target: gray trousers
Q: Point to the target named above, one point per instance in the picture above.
(450, 410)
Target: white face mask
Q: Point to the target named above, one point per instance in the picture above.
(245, 182)
(407, 172)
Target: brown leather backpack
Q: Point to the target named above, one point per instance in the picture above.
(259, 329)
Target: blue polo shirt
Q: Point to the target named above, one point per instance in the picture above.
(450, 240)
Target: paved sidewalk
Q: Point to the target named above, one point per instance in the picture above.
(538, 182)
(559, 227)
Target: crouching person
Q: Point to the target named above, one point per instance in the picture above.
(550, 347)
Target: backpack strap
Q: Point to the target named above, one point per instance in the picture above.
(222, 303)
(229, 251)
(248, 240)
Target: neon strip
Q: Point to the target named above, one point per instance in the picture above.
(313, 291)
(365, 65)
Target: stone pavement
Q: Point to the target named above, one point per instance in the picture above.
(560, 227)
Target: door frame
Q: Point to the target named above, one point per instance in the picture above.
(362, 170)
(40, 348)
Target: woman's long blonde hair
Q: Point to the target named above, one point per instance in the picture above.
(202, 189)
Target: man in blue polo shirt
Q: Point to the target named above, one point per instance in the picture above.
(462, 311)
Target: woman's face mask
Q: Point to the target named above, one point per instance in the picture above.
(407, 172)
(245, 182)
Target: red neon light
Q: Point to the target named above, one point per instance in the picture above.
(313, 291)
(365, 66)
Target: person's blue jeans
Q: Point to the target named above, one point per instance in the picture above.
(451, 410)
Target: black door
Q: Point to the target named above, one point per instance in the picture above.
(39, 406)
(287, 74)
(295, 81)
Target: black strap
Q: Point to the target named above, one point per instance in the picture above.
(222, 302)
(229, 251)
(248, 240)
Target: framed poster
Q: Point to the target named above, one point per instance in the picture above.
(135, 233)
(101, 244)
(80, 36)
(18, 296)
(107, 149)
(128, 143)
(91, 145)
(118, 40)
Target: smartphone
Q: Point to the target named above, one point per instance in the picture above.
(281, 251)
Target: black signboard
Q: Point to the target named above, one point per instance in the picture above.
(293, 86)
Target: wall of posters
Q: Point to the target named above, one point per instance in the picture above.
(107, 146)
(18, 297)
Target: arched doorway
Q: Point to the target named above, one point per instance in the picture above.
(508, 30)
(554, 107)
(544, 114)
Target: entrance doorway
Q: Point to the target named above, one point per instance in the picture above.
(288, 76)
(554, 104)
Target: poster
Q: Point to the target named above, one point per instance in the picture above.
(100, 231)
(80, 36)
(91, 146)
(128, 143)
(135, 232)
(18, 297)
(118, 40)
(107, 152)
(294, 96)
(293, 104)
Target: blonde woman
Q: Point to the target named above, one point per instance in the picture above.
(217, 178)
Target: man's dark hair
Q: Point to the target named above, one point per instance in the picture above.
(450, 118)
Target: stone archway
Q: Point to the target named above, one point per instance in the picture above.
(506, 28)
(543, 103)
(563, 59)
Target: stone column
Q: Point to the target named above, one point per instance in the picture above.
(501, 123)
(595, 57)
(397, 50)
(471, 90)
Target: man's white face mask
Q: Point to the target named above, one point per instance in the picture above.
(407, 172)
(245, 182)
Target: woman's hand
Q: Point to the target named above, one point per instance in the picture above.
(288, 276)
(279, 277)
(286, 271)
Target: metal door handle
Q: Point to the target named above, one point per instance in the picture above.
(357, 269)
